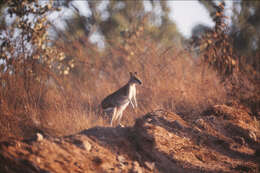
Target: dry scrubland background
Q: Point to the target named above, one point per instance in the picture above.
(174, 78)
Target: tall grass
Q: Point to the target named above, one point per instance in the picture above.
(173, 79)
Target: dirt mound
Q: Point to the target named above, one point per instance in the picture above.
(224, 139)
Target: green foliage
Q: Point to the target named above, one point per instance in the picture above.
(120, 19)
(245, 26)
(122, 24)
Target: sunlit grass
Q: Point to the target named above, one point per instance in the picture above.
(173, 79)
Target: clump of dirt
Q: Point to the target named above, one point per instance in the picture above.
(223, 139)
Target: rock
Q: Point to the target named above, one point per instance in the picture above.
(178, 125)
(38, 160)
(156, 143)
(196, 130)
(252, 136)
(212, 118)
(87, 146)
(121, 159)
(82, 143)
(200, 157)
(150, 165)
(239, 140)
(200, 123)
(137, 168)
(39, 137)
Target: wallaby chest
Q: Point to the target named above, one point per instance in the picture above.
(132, 91)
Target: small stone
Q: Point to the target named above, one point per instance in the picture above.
(149, 120)
(38, 160)
(200, 157)
(18, 144)
(137, 168)
(87, 145)
(149, 165)
(200, 123)
(170, 135)
(121, 159)
(212, 118)
(196, 130)
(121, 125)
(240, 140)
(177, 124)
(252, 135)
(39, 137)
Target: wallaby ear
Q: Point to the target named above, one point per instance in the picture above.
(131, 74)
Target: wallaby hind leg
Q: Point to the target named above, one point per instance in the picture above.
(132, 104)
(134, 98)
(120, 117)
(113, 116)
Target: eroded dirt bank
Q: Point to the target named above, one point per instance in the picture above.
(223, 139)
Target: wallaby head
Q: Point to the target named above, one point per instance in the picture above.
(134, 79)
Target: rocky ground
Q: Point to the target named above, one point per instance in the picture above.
(223, 139)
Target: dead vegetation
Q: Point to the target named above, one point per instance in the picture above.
(172, 81)
(35, 97)
(214, 94)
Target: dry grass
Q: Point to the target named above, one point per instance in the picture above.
(173, 79)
